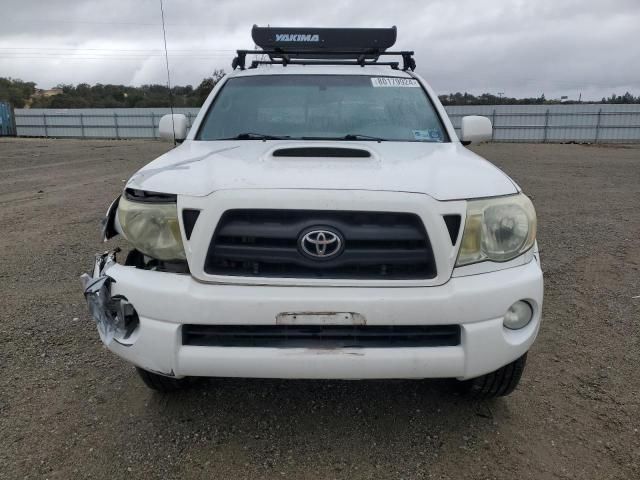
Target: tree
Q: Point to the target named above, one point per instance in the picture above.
(205, 87)
(113, 96)
(16, 91)
(83, 95)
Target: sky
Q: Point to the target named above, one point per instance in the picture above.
(520, 48)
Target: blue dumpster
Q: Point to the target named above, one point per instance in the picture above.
(7, 121)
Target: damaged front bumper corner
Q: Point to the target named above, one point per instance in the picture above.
(115, 317)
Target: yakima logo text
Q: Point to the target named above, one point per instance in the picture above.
(291, 37)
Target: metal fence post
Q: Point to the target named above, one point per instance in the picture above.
(153, 125)
(82, 125)
(598, 126)
(493, 125)
(44, 122)
(546, 126)
(115, 122)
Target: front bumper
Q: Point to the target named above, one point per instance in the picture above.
(165, 301)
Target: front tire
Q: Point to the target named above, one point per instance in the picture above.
(162, 384)
(495, 384)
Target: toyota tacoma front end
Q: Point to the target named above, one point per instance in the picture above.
(321, 221)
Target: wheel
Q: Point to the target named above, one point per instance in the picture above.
(162, 384)
(495, 384)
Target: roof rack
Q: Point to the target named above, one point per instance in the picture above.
(323, 46)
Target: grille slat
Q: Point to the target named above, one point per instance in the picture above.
(359, 232)
(356, 256)
(264, 243)
(321, 336)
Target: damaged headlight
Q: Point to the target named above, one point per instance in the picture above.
(152, 227)
(497, 229)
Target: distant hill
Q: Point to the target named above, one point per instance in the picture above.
(25, 94)
(465, 98)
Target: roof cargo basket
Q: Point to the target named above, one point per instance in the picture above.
(323, 46)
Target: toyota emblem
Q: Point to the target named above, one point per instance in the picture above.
(321, 244)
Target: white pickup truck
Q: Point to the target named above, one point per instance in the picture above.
(321, 219)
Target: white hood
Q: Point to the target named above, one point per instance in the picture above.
(444, 171)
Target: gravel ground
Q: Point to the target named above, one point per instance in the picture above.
(70, 409)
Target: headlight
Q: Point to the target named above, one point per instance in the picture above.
(497, 229)
(152, 228)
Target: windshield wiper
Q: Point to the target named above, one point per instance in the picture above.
(256, 136)
(264, 136)
(349, 136)
(359, 136)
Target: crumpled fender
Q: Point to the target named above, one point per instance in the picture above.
(109, 313)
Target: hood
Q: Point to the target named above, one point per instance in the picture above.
(444, 171)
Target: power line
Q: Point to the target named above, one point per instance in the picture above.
(85, 22)
(78, 58)
(55, 56)
(119, 49)
(89, 22)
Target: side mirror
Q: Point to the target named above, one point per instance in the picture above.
(168, 125)
(475, 129)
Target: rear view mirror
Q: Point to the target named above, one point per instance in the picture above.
(475, 129)
(169, 125)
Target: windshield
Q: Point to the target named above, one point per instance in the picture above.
(337, 107)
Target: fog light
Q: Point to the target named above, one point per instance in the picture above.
(518, 316)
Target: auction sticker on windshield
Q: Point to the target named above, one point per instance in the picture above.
(393, 82)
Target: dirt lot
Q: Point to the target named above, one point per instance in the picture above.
(70, 409)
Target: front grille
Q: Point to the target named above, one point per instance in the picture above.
(321, 336)
(265, 243)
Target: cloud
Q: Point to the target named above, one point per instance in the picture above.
(522, 48)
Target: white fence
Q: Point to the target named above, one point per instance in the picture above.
(588, 123)
(584, 123)
(94, 122)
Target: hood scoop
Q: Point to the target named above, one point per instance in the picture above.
(320, 152)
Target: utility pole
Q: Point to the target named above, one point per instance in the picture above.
(500, 96)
